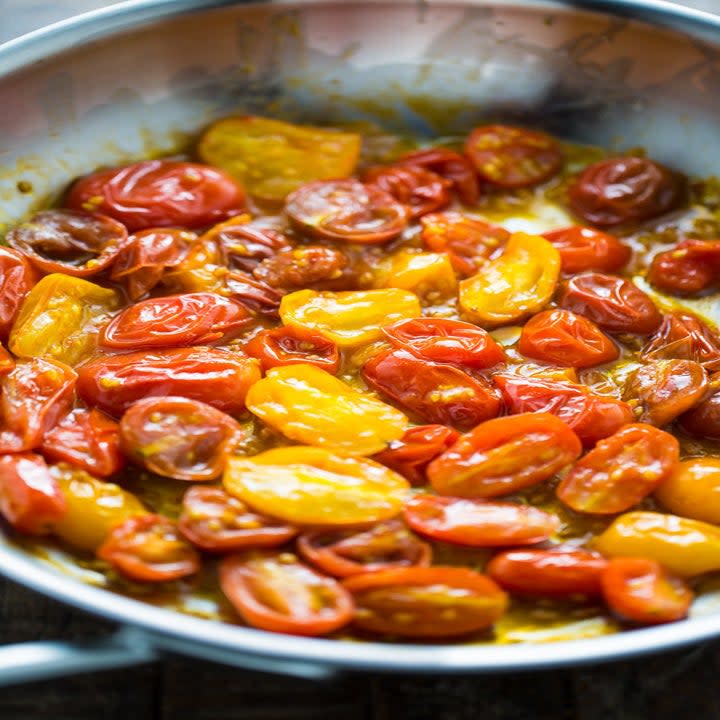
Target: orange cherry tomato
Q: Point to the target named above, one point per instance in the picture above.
(294, 345)
(583, 248)
(684, 337)
(425, 602)
(276, 592)
(564, 338)
(502, 456)
(689, 268)
(309, 266)
(641, 590)
(17, 277)
(215, 521)
(693, 490)
(343, 553)
(7, 361)
(513, 157)
(621, 470)
(149, 548)
(478, 523)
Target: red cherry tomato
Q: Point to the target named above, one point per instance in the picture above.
(346, 210)
(621, 470)
(273, 591)
(215, 521)
(625, 189)
(310, 266)
(504, 455)
(450, 165)
(436, 393)
(684, 337)
(294, 345)
(704, 419)
(30, 499)
(149, 548)
(412, 453)
(344, 553)
(17, 277)
(216, 377)
(159, 193)
(611, 302)
(178, 438)
(566, 339)
(513, 157)
(257, 296)
(548, 572)
(478, 523)
(446, 341)
(582, 249)
(689, 268)
(88, 439)
(591, 417)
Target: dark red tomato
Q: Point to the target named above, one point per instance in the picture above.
(160, 193)
(273, 591)
(436, 393)
(175, 321)
(625, 189)
(421, 191)
(504, 455)
(467, 241)
(704, 419)
(548, 572)
(591, 417)
(88, 439)
(478, 523)
(30, 499)
(413, 452)
(641, 590)
(689, 268)
(17, 277)
(34, 396)
(257, 296)
(621, 470)
(149, 548)
(426, 602)
(566, 339)
(216, 377)
(292, 345)
(513, 157)
(613, 303)
(684, 337)
(310, 266)
(215, 521)
(343, 553)
(452, 166)
(178, 438)
(582, 249)
(446, 341)
(346, 210)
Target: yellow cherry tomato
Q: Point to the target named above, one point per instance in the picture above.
(312, 486)
(272, 158)
(693, 490)
(349, 318)
(313, 407)
(685, 547)
(61, 317)
(429, 275)
(517, 284)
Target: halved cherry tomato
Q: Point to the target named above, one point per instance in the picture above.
(178, 438)
(513, 157)
(620, 470)
(564, 338)
(435, 392)
(548, 572)
(309, 266)
(478, 523)
(613, 303)
(504, 455)
(159, 193)
(346, 210)
(17, 276)
(450, 165)
(583, 248)
(625, 189)
(257, 296)
(88, 439)
(7, 361)
(641, 590)
(591, 417)
(217, 522)
(276, 592)
(290, 345)
(693, 490)
(689, 268)
(30, 499)
(446, 341)
(684, 337)
(704, 419)
(428, 275)
(216, 377)
(425, 602)
(149, 548)
(343, 553)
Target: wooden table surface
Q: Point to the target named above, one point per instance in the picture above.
(681, 684)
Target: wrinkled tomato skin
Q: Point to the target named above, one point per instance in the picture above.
(450, 165)
(294, 345)
(416, 385)
(582, 249)
(504, 455)
(704, 419)
(17, 277)
(684, 337)
(687, 269)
